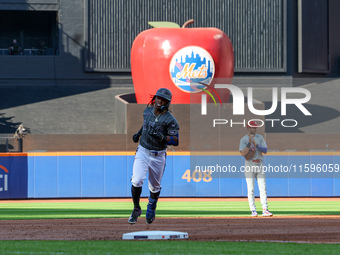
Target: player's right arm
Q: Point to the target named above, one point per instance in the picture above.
(244, 146)
(136, 136)
(245, 151)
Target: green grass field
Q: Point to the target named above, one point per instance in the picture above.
(101, 209)
(162, 247)
(65, 210)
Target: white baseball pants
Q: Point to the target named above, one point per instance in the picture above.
(254, 171)
(148, 161)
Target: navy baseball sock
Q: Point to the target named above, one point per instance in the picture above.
(136, 192)
(155, 195)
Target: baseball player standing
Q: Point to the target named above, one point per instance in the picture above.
(160, 129)
(252, 146)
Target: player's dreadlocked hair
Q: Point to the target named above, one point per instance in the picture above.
(152, 100)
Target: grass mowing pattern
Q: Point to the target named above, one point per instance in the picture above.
(66, 210)
(162, 247)
(41, 210)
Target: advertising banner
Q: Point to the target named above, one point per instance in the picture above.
(13, 176)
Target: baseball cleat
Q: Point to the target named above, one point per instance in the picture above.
(150, 219)
(254, 214)
(266, 213)
(134, 215)
(151, 211)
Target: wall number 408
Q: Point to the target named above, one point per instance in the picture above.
(197, 176)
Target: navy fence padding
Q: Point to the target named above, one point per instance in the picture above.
(13, 177)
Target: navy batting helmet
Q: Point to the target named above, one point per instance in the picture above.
(166, 94)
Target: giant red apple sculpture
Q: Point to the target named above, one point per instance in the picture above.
(188, 61)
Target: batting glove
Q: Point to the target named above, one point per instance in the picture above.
(135, 138)
(158, 135)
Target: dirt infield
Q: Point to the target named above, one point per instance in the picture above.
(323, 229)
(282, 229)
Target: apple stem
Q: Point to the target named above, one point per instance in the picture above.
(190, 21)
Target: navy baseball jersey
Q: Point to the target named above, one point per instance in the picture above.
(165, 122)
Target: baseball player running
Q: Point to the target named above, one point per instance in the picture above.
(160, 128)
(252, 146)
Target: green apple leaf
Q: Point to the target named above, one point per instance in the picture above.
(163, 24)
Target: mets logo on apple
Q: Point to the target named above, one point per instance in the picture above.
(192, 68)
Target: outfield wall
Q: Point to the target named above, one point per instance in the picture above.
(107, 174)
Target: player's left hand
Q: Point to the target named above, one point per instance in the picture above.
(158, 135)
